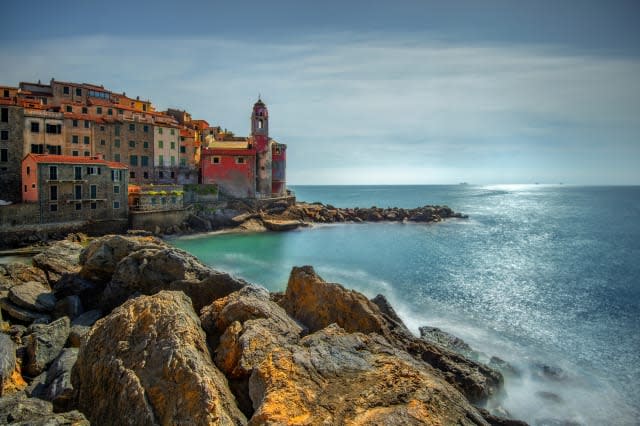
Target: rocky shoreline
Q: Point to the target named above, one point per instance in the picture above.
(129, 330)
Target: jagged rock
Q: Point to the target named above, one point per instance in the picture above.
(448, 340)
(503, 366)
(99, 259)
(251, 324)
(59, 389)
(69, 306)
(17, 273)
(316, 304)
(33, 296)
(17, 409)
(241, 218)
(252, 225)
(77, 334)
(22, 314)
(153, 351)
(10, 378)
(333, 377)
(391, 316)
(549, 372)
(81, 325)
(44, 343)
(148, 271)
(88, 318)
(89, 292)
(60, 258)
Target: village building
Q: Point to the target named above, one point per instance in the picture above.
(68, 188)
(166, 146)
(246, 167)
(11, 146)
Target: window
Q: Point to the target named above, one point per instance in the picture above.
(53, 193)
(173, 160)
(6, 94)
(37, 149)
(99, 111)
(94, 206)
(132, 144)
(160, 144)
(78, 192)
(161, 175)
(74, 139)
(163, 200)
(160, 160)
(28, 171)
(53, 207)
(215, 160)
(116, 131)
(144, 161)
(116, 189)
(173, 175)
(145, 144)
(4, 135)
(77, 172)
(160, 130)
(91, 170)
(87, 154)
(86, 140)
(132, 127)
(173, 132)
(75, 123)
(35, 127)
(132, 175)
(116, 204)
(4, 155)
(260, 124)
(87, 124)
(85, 110)
(146, 175)
(94, 192)
(173, 200)
(154, 201)
(54, 149)
(117, 143)
(133, 160)
(146, 128)
(53, 173)
(109, 111)
(173, 145)
(120, 111)
(239, 160)
(102, 128)
(69, 108)
(183, 162)
(115, 176)
(183, 150)
(116, 157)
(103, 142)
(65, 90)
(74, 153)
(78, 91)
(4, 115)
(78, 206)
(55, 129)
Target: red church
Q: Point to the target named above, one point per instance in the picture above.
(253, 167)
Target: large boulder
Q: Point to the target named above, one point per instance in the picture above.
(316, 304)
(55, 384)
(17, 409)
(15, 273)
(60, 258)
(153, 351)
(335, 377)
(33, 296)
(22, 314)
(150, 270)
(44, 342)
(99, 259)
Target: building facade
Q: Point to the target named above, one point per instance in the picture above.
(69, 188)
(11, 149)
(246, 167)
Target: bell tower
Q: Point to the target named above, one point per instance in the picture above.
(260, 119)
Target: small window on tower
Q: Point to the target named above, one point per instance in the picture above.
(260, 124)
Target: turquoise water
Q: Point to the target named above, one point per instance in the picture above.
(537, 274)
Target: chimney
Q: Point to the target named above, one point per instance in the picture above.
(98, 156)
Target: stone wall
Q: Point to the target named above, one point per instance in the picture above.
(19, 214)
(149, 220)
(10, 169)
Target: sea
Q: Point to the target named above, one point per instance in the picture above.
(545, 277)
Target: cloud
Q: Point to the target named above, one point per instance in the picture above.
(401, 109)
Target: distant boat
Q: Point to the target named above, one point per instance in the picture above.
(463, 183)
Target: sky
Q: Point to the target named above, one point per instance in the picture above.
(369, 92)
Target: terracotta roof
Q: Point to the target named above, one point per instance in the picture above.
(68, 159)
(187, 133)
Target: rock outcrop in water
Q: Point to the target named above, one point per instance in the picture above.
(179, 342)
